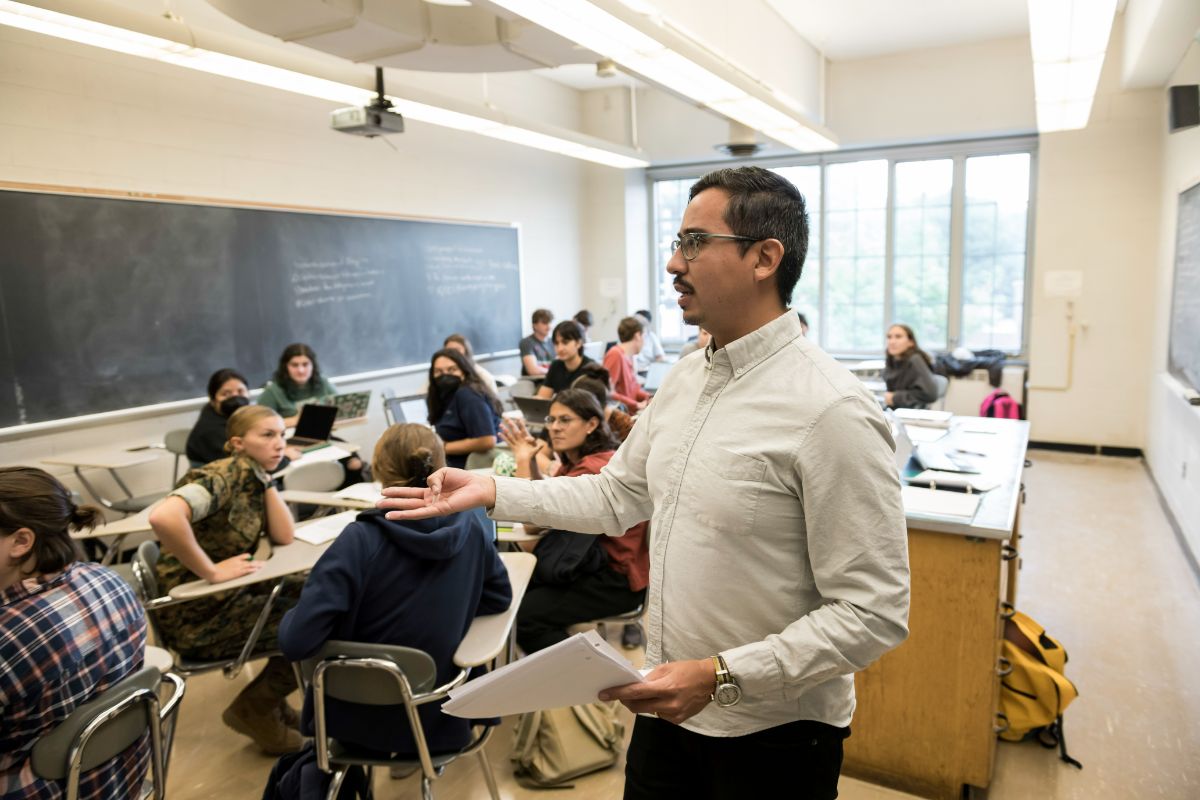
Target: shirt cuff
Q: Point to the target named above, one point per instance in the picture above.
(514, 499)
(755, 669)
(198, 498)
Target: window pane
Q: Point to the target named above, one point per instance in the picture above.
(807, 297)
(994, 261)
(856, 208)
(921, 248)
(670, 199)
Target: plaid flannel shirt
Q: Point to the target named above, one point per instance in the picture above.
(63, 640)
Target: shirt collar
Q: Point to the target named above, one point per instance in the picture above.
(746, 353)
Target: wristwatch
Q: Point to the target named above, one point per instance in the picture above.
(727, 693)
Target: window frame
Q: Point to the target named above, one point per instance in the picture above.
(958, 151)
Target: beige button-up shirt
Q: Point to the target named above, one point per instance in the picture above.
(777, 536)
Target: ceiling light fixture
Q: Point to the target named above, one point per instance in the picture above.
(493, 125)
(1068, 39)
(612, 33)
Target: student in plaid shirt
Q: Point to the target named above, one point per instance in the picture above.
(68, 631)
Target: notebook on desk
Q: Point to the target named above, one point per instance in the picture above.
(352, 406)
(314, 426)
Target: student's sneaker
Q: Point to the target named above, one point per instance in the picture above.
(290, 716)
(631, 636)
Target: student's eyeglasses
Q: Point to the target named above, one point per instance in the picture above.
(564, 421)
(690, 243)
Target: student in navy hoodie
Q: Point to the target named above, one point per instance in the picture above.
(416, 584)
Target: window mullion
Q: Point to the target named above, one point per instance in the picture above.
(958, 204)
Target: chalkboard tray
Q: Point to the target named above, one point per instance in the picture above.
(109, 303)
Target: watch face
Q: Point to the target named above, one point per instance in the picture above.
(728, 694)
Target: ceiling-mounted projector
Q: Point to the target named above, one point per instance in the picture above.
(377, 119)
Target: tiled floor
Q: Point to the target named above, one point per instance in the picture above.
(1102, 571)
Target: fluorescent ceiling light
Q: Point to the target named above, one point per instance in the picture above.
(108, 37)
(1068, 39)
(604, 33)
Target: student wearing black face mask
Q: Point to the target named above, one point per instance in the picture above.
(227, 392)
(462, 409)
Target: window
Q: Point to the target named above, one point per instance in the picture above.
(994, 251)
(934, 237)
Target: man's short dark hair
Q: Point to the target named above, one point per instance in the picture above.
(629, 328)
(567, 331)
(644, 313)
(543, 315)
(764, 205)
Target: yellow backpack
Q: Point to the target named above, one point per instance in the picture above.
(1035, 692)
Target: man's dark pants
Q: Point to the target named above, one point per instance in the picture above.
(800, 760)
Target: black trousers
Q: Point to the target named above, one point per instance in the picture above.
(799, 760)
(547, 611)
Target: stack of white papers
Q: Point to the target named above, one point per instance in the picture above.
(330, 453)
(922, 434)
(325, 529)
(366, 492)
(932, 502)
(571, 673)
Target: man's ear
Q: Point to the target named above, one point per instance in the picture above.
(770, 255)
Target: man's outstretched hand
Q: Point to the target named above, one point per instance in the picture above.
(449, 491)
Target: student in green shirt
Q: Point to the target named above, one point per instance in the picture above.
(297, 381)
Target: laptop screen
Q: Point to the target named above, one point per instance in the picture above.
(316, 421)
(352, 405)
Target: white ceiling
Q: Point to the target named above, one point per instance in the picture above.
(850, 29)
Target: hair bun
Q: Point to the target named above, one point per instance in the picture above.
(85, 517)
(420, 467)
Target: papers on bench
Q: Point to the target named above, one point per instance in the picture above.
(324, 529)
(366, 492)
(934, 503)
(924, 416)
(571, 673)
(955, 480)
(329, 453)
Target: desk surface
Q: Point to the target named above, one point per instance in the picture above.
(1003, 443)
(489, 633)
(135, 523)
(104, 457)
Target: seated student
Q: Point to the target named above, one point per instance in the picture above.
(618, 568)
(536, 353)
(68, 631)
(209, 528)
(595, 380)
(701, 341)
(227, 392)
(461, 409)
(908, 372)
(585, 320)
(653, 351)
(568, 346)
(298, 380)
(619, 363)
(417, 584)
(456, 341)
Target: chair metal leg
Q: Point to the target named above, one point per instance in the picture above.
(235, 669)
(335, 785)
(486, 766)
(426, 788)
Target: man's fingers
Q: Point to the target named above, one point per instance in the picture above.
(404, 491)
(631, 691)
(402, 503)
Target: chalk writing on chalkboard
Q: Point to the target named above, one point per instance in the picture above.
(346, 280)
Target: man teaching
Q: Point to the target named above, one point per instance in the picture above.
(779, 561)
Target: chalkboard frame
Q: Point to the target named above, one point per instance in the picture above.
(19, 431)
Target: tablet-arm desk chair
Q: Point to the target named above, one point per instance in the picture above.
(106, 726)
(175, 443)
(384, 675)
(145, 583)
(942, 383)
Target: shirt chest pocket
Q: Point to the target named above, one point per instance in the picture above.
(723, 490)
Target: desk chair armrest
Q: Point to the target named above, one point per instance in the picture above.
(178, 686)
(441, 692)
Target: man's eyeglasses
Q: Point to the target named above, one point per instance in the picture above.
(690, 243)
(564, 421)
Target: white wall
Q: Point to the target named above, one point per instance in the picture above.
(79, 116)
(1173, 427)
(1097, 211)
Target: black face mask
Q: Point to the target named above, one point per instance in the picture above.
(446, 386)
(232, 404)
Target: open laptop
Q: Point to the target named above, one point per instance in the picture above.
(654, 376)
(314, 426)
(534, 409)
(352, 407)
(904, 446)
